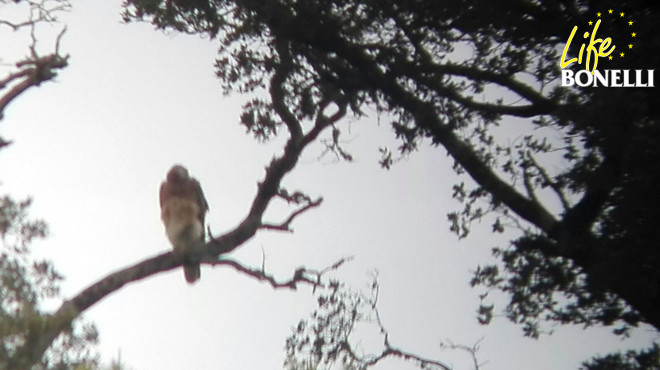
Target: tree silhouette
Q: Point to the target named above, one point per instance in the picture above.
(572, 168)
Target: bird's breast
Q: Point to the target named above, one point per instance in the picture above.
(182, 224)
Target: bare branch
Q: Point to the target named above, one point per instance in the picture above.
(472, 351)
(34, 73)
(389, 350)
(286, 225)
(59, 40)
(16, 26)
(39, 12)
(423, 362)
(301, 275)
(35, 69)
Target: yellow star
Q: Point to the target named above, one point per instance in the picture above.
(610, 11)
(622, 54)
(630, 23)
(629, 46)
(590, 23)
(621, 14)
(610, 57)
(634, 34)
(598, 14)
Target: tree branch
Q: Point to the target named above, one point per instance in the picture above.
(501, 191)
(301, 275)
(391, 351)
(34, 349)
(472, 351)
(34, 73)
(528, 185)
(424, 113)
(553, 184)
(210, 251)
(278, 92)
(286, 225)
(328, 338)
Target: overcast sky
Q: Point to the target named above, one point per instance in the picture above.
(93, 147)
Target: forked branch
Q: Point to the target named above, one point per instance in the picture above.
(33, 70)
(302, 275)
(308, 203)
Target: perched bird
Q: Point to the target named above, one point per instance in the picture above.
(183, 208)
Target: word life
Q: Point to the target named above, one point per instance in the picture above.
(591, 49)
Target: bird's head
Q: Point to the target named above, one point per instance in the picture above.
(177, 173)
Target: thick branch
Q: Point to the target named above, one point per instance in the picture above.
(62, 318)
(425, 116)
(278, 92)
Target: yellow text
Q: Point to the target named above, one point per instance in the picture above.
(602, 50)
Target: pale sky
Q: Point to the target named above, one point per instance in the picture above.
(93, 147)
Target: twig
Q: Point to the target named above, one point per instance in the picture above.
(389, 349)
(472, 351)
(286, 225)
(298, 276)
(528, 184)
(301, 275)
(553, 184)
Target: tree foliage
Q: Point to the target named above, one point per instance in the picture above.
(469, 76)
(632, 360)
(572, 168)
(26, 284)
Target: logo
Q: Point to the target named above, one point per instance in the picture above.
(594, 47)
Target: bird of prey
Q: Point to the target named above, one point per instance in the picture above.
(183, 208)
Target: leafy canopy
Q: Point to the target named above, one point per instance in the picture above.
(26, 284)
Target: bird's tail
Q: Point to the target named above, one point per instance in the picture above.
(192, 272)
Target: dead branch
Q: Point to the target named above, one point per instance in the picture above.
(19, 25)
(34, 69)
(286, 225)
(301, 275)
(389, 350)
(471, 350)
(33, 72)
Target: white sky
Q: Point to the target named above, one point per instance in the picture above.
(93, 147)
